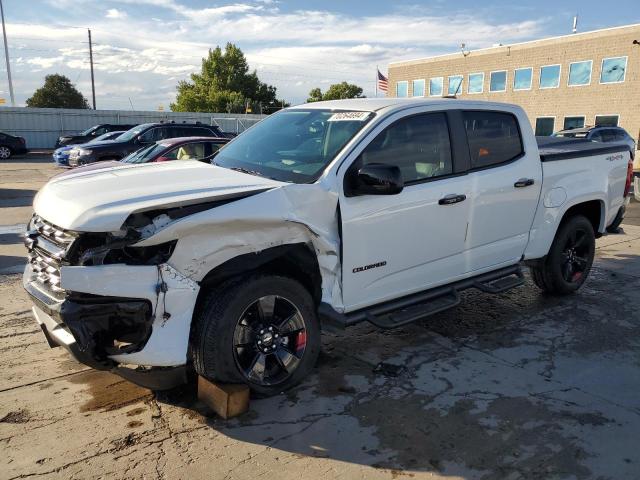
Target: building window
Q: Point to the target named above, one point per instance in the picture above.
(522, 79)
(402, 89)
(544, 126)
(435, 86)
(455, 84)
(607, 120)
(418, 88)
(476, 83)
(573, 122)
(550, 76)
(580, 73)
(498, 81)
(613, 70)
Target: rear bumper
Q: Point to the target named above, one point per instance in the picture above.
(87, 327)
(20, 150)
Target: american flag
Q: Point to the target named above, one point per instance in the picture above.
(383, 83)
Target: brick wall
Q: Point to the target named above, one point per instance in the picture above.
(594, 99)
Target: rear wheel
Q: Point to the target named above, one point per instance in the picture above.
(5, 152)
(570, 257)
(260, 330)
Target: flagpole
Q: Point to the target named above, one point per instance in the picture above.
(376, 81)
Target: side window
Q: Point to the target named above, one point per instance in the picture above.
(494, 137)
(201, 132)
(188, 151)
(596, 137)
(418, 145)
(608, 135)
(150, 136)
(100, 131)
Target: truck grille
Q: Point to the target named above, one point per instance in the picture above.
(47, 246)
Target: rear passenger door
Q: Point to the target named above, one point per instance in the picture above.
(505, 177)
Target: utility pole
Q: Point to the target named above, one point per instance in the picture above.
(6, 55)
(93, 85)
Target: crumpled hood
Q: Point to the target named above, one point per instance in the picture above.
(101, 200)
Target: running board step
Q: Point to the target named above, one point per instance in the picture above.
(415, 312)
(501, 284)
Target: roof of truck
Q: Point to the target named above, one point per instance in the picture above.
(375, 104)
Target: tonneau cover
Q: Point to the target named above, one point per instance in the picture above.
(557, 148)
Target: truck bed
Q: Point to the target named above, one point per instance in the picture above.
(553, 149)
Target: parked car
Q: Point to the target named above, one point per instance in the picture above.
(61, 155)
(90, 134)
(600, 134)
(10, 145)
(137, 138)
(182, 148)
(325, 214)
(605, 135)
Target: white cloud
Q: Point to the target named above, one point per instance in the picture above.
(115, 13)
(295, 51)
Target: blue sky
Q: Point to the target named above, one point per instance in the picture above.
(144, 47)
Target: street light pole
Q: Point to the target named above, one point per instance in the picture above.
(6, 56)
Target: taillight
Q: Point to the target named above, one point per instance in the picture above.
(627, 186)
(22, 140)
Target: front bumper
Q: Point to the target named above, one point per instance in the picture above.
(102, 332)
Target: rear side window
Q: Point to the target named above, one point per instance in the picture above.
(418, 145)
(494, 138)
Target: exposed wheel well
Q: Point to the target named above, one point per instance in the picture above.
(297, 261)
(591, 209)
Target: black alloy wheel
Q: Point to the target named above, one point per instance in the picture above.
(270, 340)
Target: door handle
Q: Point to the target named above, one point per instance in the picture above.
(451, 199)
(524, 182)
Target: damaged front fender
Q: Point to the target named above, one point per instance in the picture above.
(290, 214)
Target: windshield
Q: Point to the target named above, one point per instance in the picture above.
(144, 154)
(105, 136)
(134, 132)
(89, 130)
(571, 134)
(292, 145)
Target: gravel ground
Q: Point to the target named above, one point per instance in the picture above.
(518, 385)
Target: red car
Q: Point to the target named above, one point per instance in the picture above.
(182, 148)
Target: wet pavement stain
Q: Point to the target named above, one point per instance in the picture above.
(108, 391)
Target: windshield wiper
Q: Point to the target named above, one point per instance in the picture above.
(246, 170)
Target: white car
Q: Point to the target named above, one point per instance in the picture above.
(321, 215)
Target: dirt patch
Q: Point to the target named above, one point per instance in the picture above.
(136, 411)
(134, 424)
(18, 416)
(108, 391)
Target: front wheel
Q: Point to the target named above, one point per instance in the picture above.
(568, 263)
(261, 330)
(5, 152)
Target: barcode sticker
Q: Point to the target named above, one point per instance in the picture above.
(349, 117)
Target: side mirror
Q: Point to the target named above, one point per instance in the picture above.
(377, 179)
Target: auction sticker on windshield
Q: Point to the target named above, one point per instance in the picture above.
(349, 117)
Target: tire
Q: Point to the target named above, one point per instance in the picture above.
(636, 188)
(568, 263)
(231, 330)
(5, 152)
(615, 225)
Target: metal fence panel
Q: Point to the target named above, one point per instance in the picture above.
(41, 127)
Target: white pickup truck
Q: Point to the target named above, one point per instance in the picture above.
(321, 215)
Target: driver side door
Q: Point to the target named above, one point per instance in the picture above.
(395, 245)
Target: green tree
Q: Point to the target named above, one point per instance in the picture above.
(57, 92)
(224, 84)
(336, 91)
